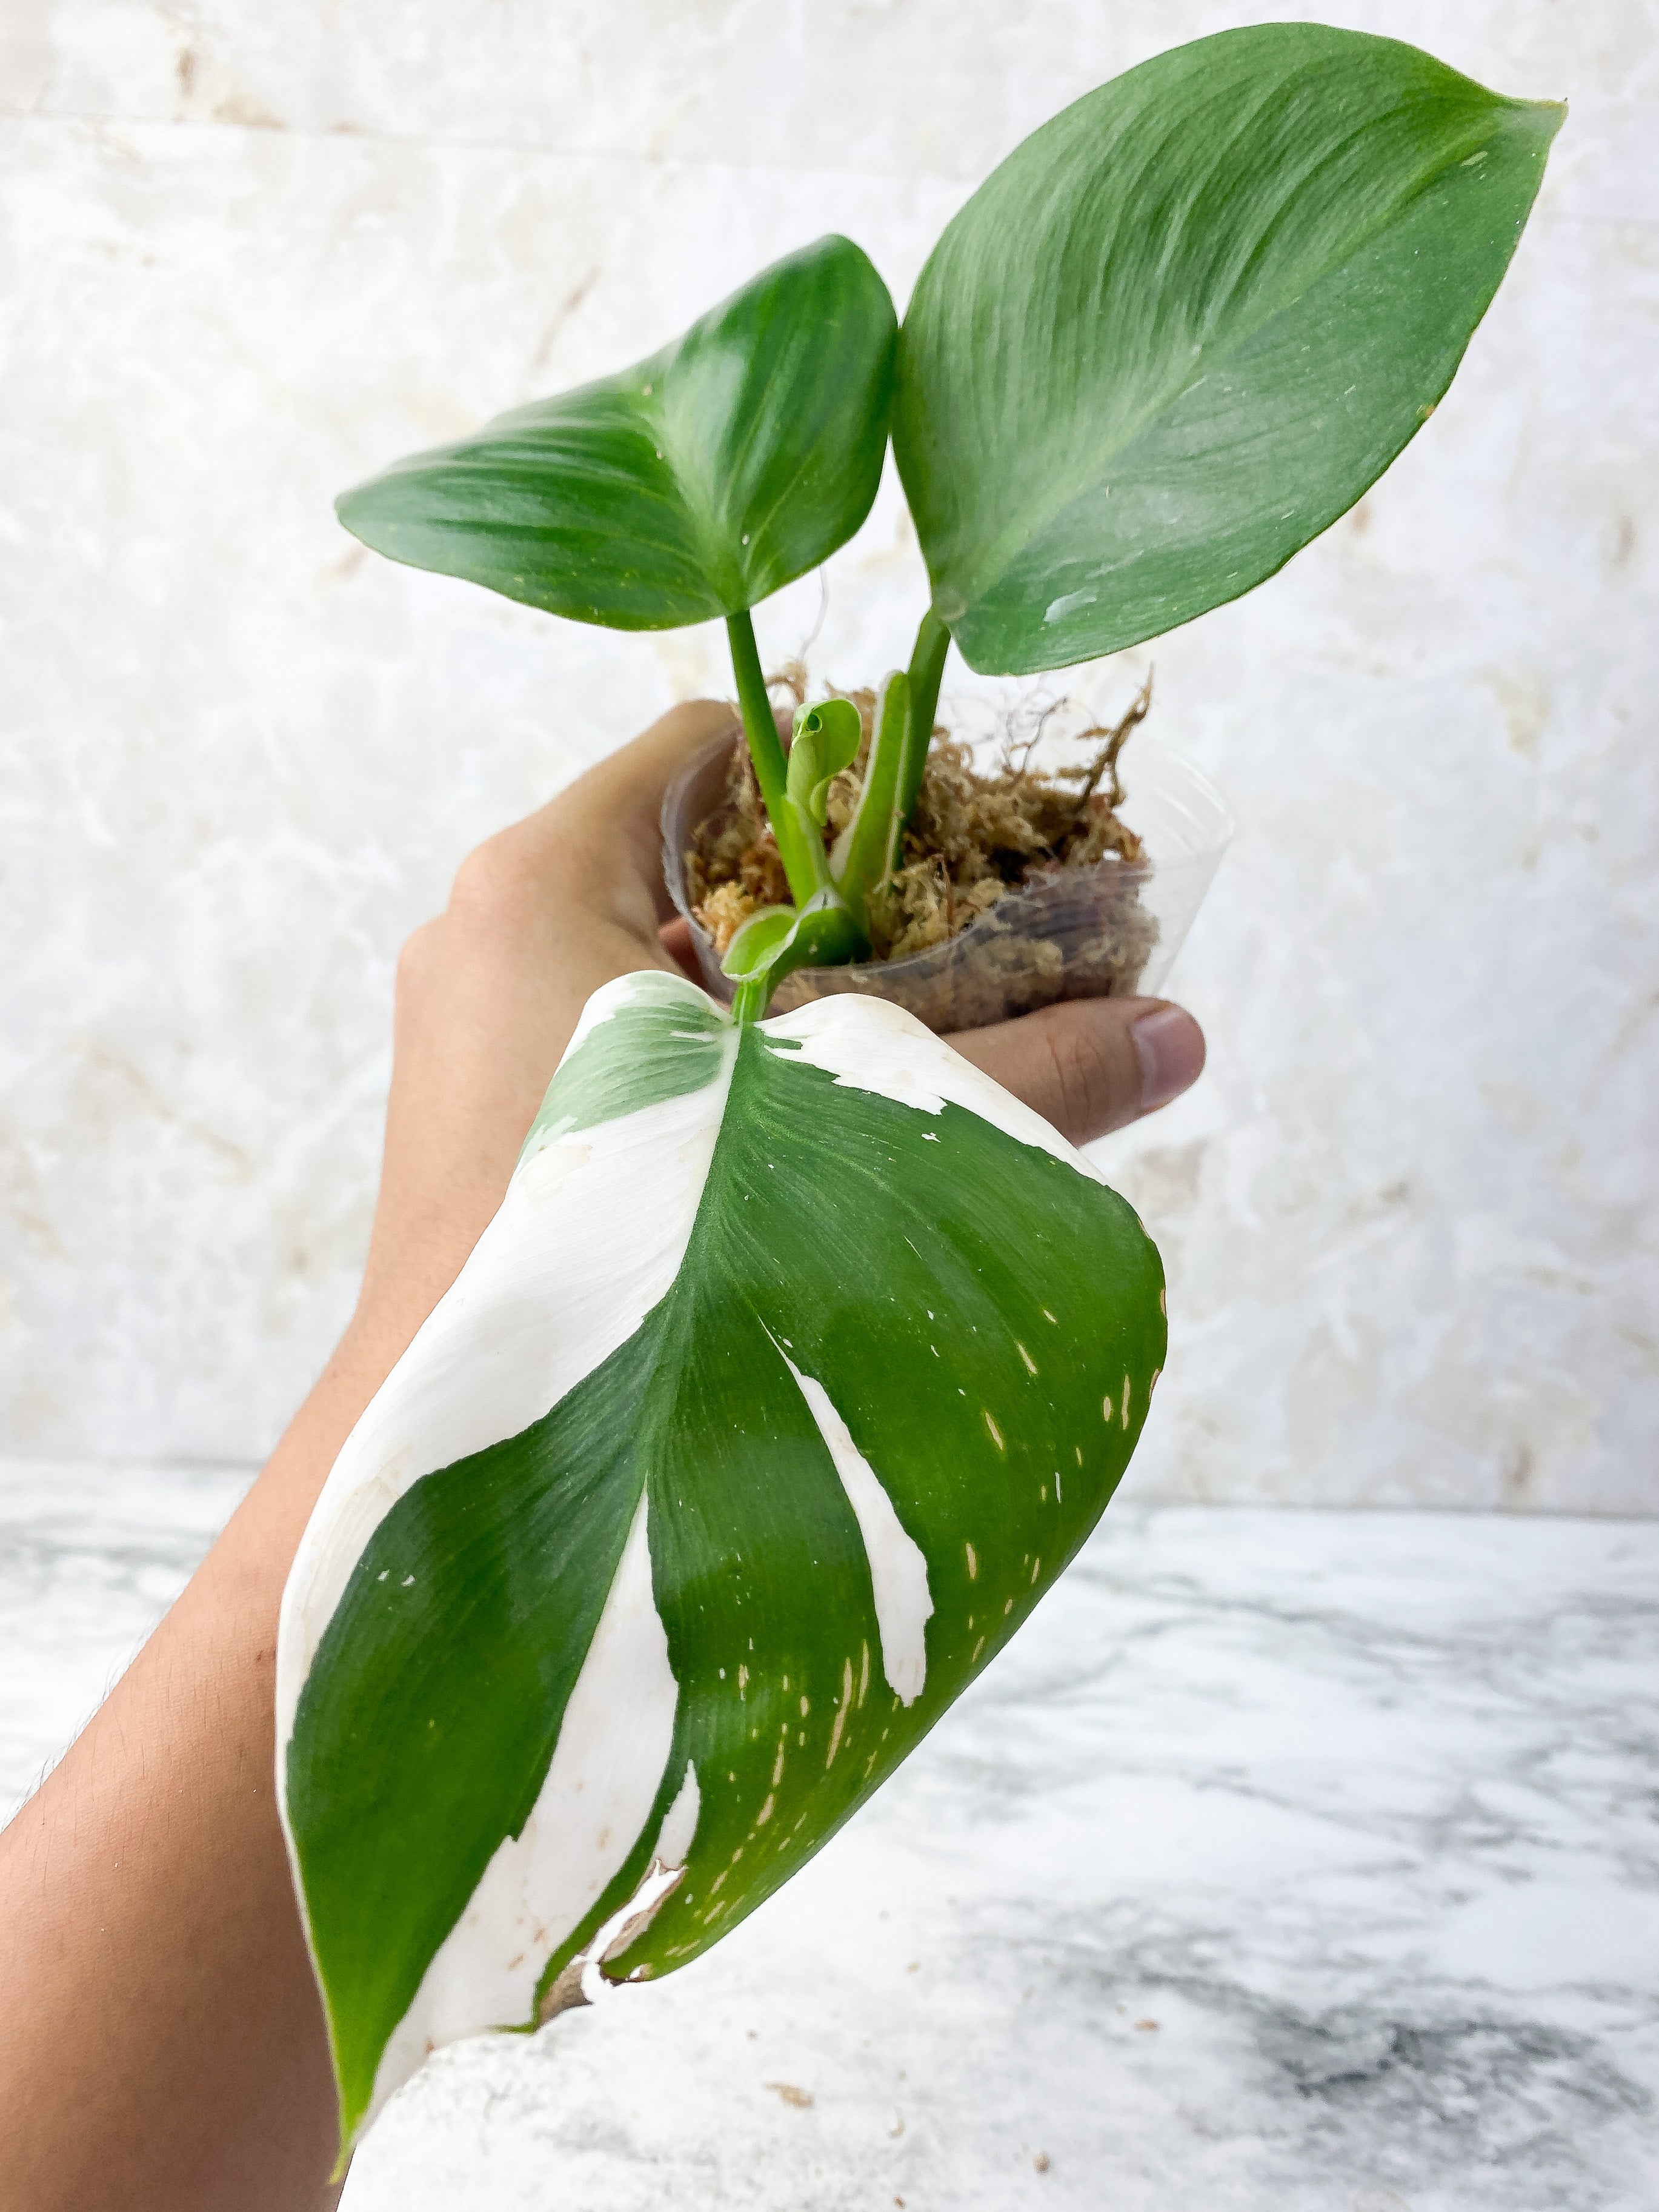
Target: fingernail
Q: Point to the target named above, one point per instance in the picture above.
(1170, 1045)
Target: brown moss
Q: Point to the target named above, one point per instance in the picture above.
(972, 838)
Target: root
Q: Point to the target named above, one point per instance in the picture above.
(972, 838)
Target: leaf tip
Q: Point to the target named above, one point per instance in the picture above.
(1540, 119)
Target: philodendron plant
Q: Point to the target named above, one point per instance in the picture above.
(800, 1358)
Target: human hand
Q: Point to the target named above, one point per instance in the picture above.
(545, 912)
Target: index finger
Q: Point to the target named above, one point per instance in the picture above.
(610, 817)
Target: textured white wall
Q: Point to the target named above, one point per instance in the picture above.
(247, 254)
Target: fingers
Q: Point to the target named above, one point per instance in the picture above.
(611, 815)
(1092, 1065)
(539, 917)
(675, 938)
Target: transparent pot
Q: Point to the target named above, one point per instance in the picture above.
(1109, 931)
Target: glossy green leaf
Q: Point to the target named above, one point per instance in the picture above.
(766, 1409)
(1184, 325)
(691, 486)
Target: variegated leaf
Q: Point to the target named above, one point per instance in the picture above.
(797, 1362)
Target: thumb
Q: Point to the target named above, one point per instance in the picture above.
(1092, 1065)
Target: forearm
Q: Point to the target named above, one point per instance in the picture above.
(162, 2043)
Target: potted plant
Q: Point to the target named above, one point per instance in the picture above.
(800, 1358)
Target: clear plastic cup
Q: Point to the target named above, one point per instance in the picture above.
(1109, 931)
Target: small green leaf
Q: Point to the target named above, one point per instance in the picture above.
(827, 739)
(693, 486)
(775, 941)
(1186, 324)
(756, 943)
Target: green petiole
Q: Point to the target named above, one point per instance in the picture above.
(821, 929)
(828, 923)
(867, 851)
(926, 668)
(804, 862)
(778, 940)
(836, 886)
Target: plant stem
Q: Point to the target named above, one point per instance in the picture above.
(749, 999)
(867, 851)
(927, 667)
(804, 863)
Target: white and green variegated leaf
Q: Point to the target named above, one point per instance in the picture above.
(797, 1362)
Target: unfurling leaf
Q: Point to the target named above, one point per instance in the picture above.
(777, 939)
(1186, 324)
(693, 486)
(758, 941)
(797, 1362)
(828, 735)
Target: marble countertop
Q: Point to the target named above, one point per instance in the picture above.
(1288, 1862)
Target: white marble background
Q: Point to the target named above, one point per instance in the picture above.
(247, 254)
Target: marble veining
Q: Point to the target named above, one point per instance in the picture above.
(1288, 1861)
(247, 256)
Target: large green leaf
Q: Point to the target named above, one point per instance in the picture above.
(691, 486)
(798, 1361)
(1184, 325)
